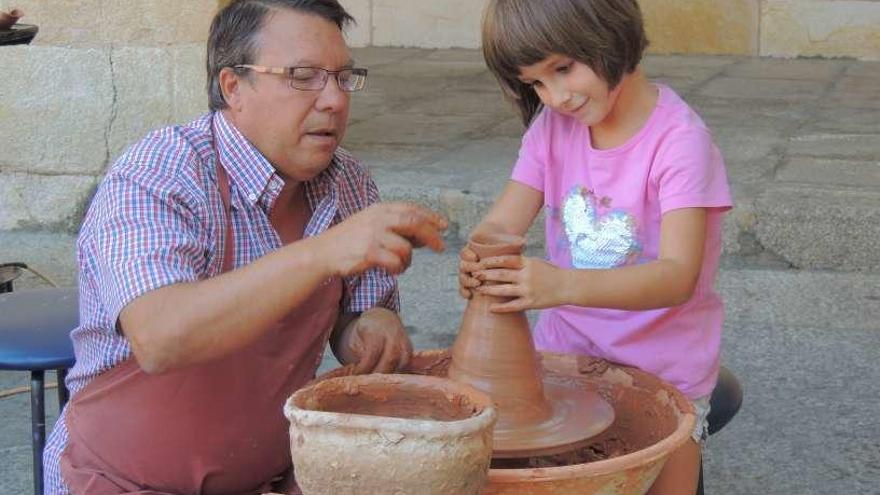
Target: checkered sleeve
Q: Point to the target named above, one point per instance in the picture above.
(147, 235)
(374, 287)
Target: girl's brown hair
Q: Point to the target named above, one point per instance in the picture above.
(606, 35)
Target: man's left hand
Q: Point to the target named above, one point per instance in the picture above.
(376, 342)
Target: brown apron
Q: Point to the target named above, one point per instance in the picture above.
(215, 428)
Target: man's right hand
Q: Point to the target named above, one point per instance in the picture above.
(382, 236)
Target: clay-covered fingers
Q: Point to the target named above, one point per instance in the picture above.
(419, 225)
(498, 275)
(468, 263)
(395, 355)
(513, 261)
(392, 253)
(368, 358)
(501, 290)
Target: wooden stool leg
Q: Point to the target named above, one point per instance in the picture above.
(38, 427)
(63, 393)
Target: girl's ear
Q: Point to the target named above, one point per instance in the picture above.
(230, 87)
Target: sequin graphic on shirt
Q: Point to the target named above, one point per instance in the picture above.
(598, 241)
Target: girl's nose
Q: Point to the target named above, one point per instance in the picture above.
(560, 97)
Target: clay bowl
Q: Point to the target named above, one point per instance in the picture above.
(652, 419)
(8, 19)
(390, 434)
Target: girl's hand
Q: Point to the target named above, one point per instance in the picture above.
(468, 263)
(532, 283)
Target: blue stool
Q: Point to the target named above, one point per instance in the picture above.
(35, 328)
(724, 403)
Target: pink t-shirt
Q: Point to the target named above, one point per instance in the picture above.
(603, 210)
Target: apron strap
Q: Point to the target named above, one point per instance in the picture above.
(223, 183)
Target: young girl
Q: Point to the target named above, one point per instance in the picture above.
(633, 190)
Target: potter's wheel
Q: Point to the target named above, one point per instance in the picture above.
(577, 416)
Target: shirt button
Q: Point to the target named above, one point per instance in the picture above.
(252, 197)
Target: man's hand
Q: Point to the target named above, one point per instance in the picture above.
(375, 342)
(383, 236)
(532, 283)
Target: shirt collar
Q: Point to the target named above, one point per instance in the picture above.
(261, 178)
(247, 168)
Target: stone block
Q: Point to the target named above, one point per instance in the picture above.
(820, 228)
(142, 100)
(446, 24)
(116, 22)
(692, 67)
(799, 70)
(826, 171)
(839, 28)
(64, 22)
(38, 202)
(763, 89)
(373, 56)
(833, 117)
(856, 146)
(702, 26)
(56, 115)
(189, 93)
(857, 92)
(361, 33)
(415, 129)
(53, 254)
(157, 22)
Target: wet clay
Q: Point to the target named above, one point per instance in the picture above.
(390, 434)
(494, 353)
(652, 419)
(398, 400)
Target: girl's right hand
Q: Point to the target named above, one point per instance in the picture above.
(468, 263)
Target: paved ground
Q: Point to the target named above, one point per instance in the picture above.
(800, 275)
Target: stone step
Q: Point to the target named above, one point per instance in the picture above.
(800, 138)
(766, 297)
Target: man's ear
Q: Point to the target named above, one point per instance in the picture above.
(230, 87)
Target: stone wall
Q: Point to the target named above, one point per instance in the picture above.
(775, 28)
(99, 75)
(103, 72)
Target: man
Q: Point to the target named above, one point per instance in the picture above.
(216, 260)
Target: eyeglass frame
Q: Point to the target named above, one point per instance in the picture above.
(288, 72)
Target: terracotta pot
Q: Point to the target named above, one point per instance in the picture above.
(652, 420)
(8, 19)
(390, 434)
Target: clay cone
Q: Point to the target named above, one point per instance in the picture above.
(494, 353)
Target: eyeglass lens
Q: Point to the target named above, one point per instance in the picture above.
(313, 78)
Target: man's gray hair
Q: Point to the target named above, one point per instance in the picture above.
(234, 31)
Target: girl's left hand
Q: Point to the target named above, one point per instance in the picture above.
(532, 283)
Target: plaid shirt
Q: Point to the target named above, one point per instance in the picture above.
(157, 219)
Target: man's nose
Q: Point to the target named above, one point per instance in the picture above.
(332, 97)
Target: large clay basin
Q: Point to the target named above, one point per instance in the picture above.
(652, 419)
(390, 434)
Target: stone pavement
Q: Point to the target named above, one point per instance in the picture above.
(800, 274)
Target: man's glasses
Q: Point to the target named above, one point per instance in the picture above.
(314, 78)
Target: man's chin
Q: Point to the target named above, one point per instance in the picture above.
(306, 170)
